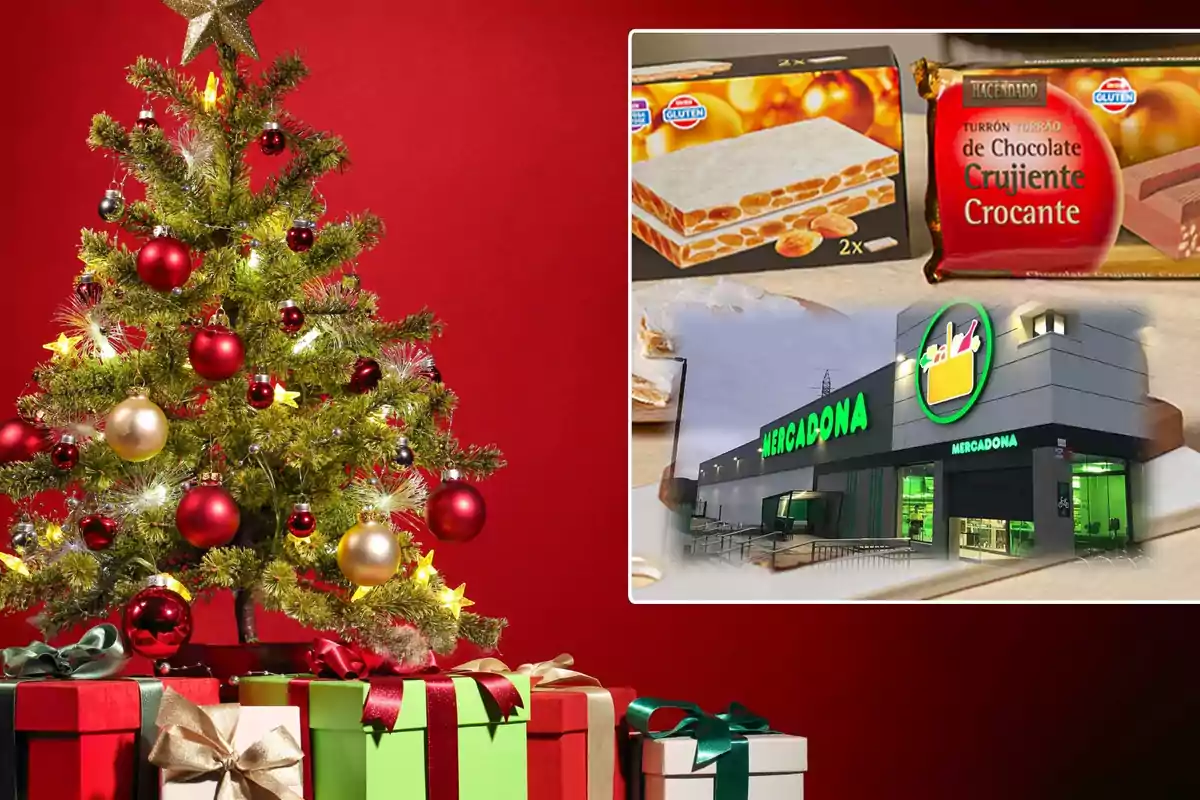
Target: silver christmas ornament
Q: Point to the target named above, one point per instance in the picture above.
(23, 536)
(112, 206)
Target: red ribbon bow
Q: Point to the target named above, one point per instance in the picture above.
(348, 662)
(330, 659)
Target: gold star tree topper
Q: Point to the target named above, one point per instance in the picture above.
(216, 22)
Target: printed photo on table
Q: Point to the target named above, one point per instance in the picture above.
(943, 447)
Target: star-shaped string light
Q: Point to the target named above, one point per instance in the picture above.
(52, 536)
(216, 22)
(15, 564)
(284, 397)
(63, 346)
(454, 600)
(424, 570)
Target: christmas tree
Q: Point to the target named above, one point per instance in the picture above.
(226, 408)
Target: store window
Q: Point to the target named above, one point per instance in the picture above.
(916, 502)
(1020, 537)
(981, 539)
(1101, 502)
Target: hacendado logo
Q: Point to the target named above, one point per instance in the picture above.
(1005, 441)
(957, 368)
(843, 418)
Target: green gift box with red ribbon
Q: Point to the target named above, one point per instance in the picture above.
(424, 736)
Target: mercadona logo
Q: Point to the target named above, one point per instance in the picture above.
(1114, 95)
(684, 112)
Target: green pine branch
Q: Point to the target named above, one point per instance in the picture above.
(419, 327)
(177, 88)
(283, 77)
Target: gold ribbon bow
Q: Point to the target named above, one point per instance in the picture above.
(195, 744)
(556, 676)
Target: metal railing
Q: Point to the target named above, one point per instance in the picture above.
(702, 526)
(723, 541)
(717, 542)
(854, 552)
(730, 548)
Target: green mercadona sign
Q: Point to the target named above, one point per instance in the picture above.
(1005, 441)
(843, 418)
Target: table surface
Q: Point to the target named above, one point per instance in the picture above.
(1174, 370)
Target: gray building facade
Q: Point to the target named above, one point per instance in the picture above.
(1003, 431)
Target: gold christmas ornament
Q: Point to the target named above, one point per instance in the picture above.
(216, 22)
(369, 553)
(841, 96)
(1162, 122)
(136, 429)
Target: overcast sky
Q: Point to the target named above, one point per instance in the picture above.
(745, 369)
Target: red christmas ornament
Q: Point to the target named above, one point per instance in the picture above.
(157, 622)
(98, 531)
(272, 141)
(217, 353)
(207, 515)
(146, 120)
(65, 454)
(435, 374)
(301, 523)
(455, 511)
(20, 440)
(366, 376)
(291, 318)
(261, 393)
(88, 289)
(300, 236)
(164, 263)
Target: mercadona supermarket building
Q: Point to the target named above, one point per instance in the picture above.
(995, 432)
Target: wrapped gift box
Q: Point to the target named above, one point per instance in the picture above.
(352, 761)
(558, 744)
(777, 766)
(253, 724)
(82, 736)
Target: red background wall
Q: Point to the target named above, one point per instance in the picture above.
(501, 128)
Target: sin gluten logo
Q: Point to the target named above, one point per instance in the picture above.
(1004, 91)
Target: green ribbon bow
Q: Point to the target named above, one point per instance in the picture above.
(720, 738)
(99, 654)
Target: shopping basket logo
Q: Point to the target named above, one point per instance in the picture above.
(956, 366)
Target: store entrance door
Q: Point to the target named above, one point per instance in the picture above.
(991, 539)
(991, 513)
